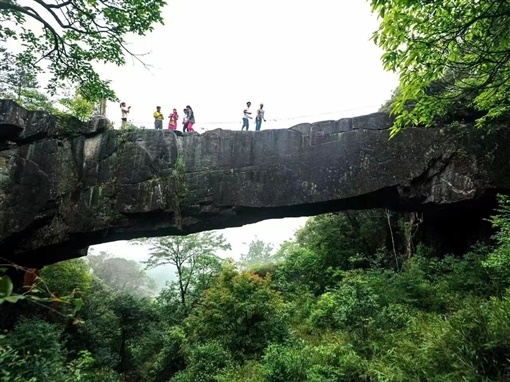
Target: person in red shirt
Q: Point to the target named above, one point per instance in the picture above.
(174, 118)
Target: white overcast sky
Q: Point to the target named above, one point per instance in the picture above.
(306, 60)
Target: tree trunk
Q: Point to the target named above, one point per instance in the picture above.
(122, 350)
(182, 292)
(413, 223)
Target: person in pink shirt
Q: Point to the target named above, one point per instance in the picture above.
(174, 118)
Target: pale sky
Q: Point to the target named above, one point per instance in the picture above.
(306, 60)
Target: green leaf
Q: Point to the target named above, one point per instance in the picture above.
(14, 298)
(5, 286)
(77, 304)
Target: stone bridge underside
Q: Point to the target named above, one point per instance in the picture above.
(65, 185)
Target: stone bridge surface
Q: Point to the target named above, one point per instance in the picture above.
(65, 185)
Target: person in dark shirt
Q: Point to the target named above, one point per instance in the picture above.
(191, 118)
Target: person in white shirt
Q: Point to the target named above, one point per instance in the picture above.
(125, 111)
(246, 115)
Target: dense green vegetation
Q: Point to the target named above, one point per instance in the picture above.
(344, 301)
(20, 83)
(451, 56)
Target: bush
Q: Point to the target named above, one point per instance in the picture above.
(170, 359)
(297, 362)
(242, 312)
(285, 363)
(204, 362)
(37, 343)
(352, 306)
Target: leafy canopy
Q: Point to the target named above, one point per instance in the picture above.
(69, 37)
(241, 311)
(449, 54)
(122, 275)
(259, 253)
(194, 258)
(16, 78)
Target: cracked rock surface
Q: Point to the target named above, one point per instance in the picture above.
(65, 185)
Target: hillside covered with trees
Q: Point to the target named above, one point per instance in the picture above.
(344, 301)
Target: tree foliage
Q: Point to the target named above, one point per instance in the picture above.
(71, 37)
(124, 276)
(18, 81)
(68, 276)
(498, 262)
(449, 55)
(259, 253)
(16, 77)
(242, 312)
(34, 351)
(36, 100)
(194, 259)
(331, 243)
(78, 107)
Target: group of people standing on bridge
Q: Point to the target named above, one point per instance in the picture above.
(259, 117)
(189, 118)
(187, 121)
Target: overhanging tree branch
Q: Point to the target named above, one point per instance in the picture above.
(76, 33)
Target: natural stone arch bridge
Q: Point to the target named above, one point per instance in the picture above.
(65, 185)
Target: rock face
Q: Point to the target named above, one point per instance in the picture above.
(65, 185)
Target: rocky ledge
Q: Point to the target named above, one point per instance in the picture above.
(65, 185)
